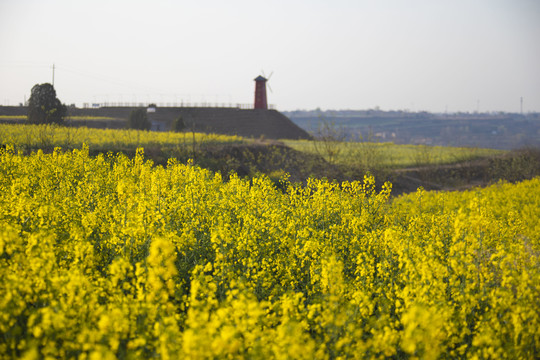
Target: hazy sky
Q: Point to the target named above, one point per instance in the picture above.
(454, 55)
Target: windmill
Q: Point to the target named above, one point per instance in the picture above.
(260, 91)
(268, 79)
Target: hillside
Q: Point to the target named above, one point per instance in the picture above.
(251, 123)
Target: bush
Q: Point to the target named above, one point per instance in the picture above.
(139, 120)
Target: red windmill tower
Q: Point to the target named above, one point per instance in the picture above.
(260, 92)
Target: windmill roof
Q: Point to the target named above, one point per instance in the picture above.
(260, 78)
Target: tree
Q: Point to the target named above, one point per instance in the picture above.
(44, 107)
(139, 120)
(329, 140)
(179, 124)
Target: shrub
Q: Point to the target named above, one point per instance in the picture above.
(139, 120)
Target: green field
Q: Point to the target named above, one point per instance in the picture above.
(389, 155)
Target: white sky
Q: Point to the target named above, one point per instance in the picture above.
(454, 55)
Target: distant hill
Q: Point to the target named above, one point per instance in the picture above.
(497, 131)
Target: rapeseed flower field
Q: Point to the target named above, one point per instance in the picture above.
(49, 136)
(111, 257)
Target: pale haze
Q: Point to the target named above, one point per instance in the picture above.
(417, 55)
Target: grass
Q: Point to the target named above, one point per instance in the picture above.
(89, 118)
(13, 117)
(391, 155)
(68, 118)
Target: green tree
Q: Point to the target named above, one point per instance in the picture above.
(179, 124)
(44, 107)
(139, 120)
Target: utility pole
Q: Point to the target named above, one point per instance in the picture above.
(521, 106)
(53, 75)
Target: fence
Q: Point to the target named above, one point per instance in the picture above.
(173, 104)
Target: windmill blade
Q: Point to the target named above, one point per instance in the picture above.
(268, 79)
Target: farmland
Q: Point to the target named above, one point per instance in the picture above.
(31, 137)
(110, 256)
(406, 166)
(391, 155)
(119, 244)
